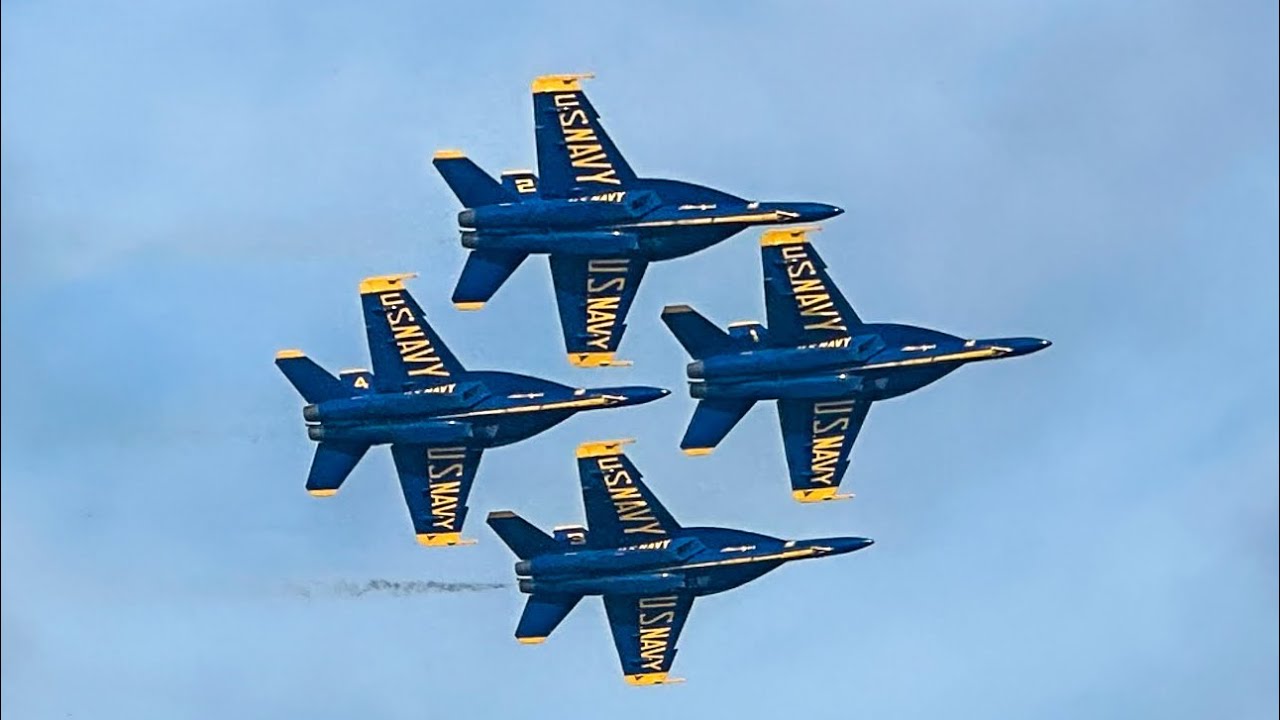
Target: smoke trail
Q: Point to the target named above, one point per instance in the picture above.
(394, 588)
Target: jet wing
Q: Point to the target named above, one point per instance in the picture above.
(802, 304)
(645, 631)
(594, 296)
(817, 437)
(436, 483)
(484, 272)
(406, 351)
(575, 155)
(621, 510)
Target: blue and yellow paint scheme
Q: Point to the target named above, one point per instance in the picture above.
(646, 566)
(437, 416)
(822, 364)
(600, 224)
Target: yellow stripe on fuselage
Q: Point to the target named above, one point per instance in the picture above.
(713, 220)
(784, 555)
(563, 405)
(952, 357)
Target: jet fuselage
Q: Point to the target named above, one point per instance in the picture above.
(879, 362)
(696, 560)
(482, 409)
(653, 218)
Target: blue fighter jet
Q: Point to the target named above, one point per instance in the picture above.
(599, 223)
(647, 568)
(818, 359)
(437, 416)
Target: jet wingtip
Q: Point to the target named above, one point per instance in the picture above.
(289, 354)
(787, 236)
(468, 306)
(443, 539)
(819, 495)
(603, 448)
(531, 640)
(382, 283)
(658, 678)
(322, 493)
(565, 82)
(697, 451)
(596, 359)
(448, 154)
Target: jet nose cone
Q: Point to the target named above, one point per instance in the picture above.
(814, 212)
(1026, 345)
(851, 544)
(636, 394)
(840, 545)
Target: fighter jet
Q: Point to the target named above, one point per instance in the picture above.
(646, 567)
(818, 359)
(437, 416)
(598, 222)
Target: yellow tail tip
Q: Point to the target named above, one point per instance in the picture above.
(448, 154)
(289, 354)
(322, 493)
(787, 236)
(468, 305)
(603, 448)
(697, 452)
(531, 640)
(567, 82)
(442, 539)
(383, 283)
(818, 495)
(596, 359)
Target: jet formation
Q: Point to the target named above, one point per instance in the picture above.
(644, 565)
(601, 226)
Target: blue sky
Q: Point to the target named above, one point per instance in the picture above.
(1089, 532)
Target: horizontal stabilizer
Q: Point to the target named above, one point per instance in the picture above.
(542, 614)
(473, 186)
(484, 272)
(712, 420)
(331, 465)
(698, 335)
(525, 540)
(313, 382)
